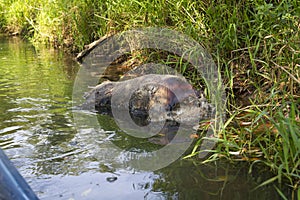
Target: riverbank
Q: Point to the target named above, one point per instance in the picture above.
(256, 44)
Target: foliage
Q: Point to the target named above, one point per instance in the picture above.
(254, 42)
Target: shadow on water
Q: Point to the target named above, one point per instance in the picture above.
(59, 162)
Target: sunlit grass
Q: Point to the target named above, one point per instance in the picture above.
(254, 43)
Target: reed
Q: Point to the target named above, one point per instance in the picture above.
(255, 44)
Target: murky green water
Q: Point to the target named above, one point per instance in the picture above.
(59, 161)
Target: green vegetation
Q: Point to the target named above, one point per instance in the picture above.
(255, 43)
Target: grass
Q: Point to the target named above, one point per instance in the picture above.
(255, 43)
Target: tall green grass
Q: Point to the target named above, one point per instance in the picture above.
(256, 44)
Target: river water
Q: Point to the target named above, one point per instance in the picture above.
(61, 160)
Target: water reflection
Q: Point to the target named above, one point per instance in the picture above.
(59, 162)
(35, 102)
